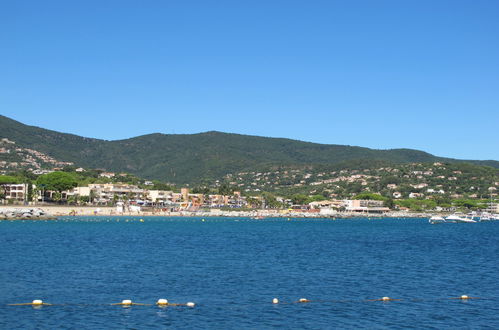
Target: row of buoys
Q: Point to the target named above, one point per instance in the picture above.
(164, 302)
(385, 299)
(160, 302)
(126, 302)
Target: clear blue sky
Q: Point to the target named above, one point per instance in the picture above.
(380, 74)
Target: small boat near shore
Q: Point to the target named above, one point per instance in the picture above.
(460, 218)
(436, 219)
(457, 217)
(488, 217)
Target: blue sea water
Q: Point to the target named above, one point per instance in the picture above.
(233, 268)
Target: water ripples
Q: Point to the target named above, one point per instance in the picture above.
(232, 270)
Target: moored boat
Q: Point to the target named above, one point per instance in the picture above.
(459, 217)
(436, 219)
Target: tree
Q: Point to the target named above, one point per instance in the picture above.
(5, 179)
(316, 198)
(271, 201)
(299, 199)
(389, 203)
(57, 196)
(201, 190)
(161, 186)
(92, 196)
(370, 196)
(225, 189)
(469, 204)
(57, 181)
(253, 202)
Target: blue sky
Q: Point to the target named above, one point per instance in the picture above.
(380, 74)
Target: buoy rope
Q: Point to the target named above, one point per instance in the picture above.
(276, 302)
(30, 304)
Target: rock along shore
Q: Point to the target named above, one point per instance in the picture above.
(24, 214)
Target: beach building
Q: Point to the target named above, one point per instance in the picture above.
(105, 193)
(215, 201)
(77, 191)
(236, 200)
(160, 197)
(15, 191)
(185, 193)
(195, 199)
(492, 208)
(331, 204)
(326, 207)
(176, 197)
(368, 206)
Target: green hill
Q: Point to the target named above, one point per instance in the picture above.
(189, 158)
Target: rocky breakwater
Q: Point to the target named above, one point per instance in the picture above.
(24, 214)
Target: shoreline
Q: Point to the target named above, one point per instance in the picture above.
(52, 212)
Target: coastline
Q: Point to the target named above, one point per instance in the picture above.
(52, 212)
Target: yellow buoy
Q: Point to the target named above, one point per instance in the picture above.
(141, 220)
(275, 301)
(37, 302)
(386, 299)
(464, 297)
(303, 300)
(190, 304)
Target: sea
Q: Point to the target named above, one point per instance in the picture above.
(232, 269)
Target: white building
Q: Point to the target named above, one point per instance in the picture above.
(360, 205)
(160, 196)
(105, 193)
(15, 191)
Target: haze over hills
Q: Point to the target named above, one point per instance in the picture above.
(188, 158)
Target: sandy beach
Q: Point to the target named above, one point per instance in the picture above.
(58, 211)
(83, 210)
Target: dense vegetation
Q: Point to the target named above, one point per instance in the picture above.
(477, 184)
(199, 158)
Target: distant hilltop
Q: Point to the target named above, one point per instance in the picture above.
(196, 158)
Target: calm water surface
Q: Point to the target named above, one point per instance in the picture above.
(232, 268)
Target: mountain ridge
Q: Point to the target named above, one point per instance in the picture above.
(186, 158)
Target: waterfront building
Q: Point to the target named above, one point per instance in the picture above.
(77, 191)
(368, 206)
(160, 197)
(492, 208)
(105, 193)
(15, 191)
(185, 193)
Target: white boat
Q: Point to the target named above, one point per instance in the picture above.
(436, 219)
(459, 217)
(486, 217)
(491, 217)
